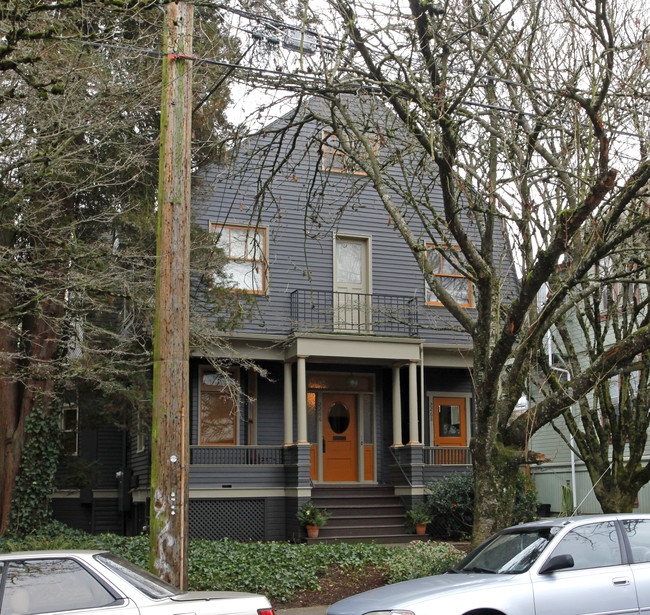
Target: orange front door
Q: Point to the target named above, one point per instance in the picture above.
(340, 440)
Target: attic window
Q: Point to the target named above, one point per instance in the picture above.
(337, 160)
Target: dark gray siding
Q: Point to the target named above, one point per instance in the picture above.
(72, 513)
(300, 229)
(451, 380)
(270, 405)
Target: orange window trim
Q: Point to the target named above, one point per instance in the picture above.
(451, 275)
(333, 151)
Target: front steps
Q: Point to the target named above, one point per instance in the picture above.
(361, 514)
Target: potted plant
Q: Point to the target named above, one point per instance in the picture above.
(418, 517)
(312, 518)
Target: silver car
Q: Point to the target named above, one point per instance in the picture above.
(567, 566)
(97, 582)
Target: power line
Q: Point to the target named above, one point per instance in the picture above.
(277, 25)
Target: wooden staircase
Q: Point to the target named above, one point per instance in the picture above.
(362, 514)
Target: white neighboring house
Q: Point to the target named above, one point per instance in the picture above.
(616, 306)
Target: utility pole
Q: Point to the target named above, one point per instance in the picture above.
(170, 433)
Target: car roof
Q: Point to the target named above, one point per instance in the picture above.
(52, 553)
(571, 521)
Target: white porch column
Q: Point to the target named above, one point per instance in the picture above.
(301, 402)
(413, 403)
(288, 405)
(397, 409)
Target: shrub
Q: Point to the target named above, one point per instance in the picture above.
(422, 559)
(526, 500)
(451, 502)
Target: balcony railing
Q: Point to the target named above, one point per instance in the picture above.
(322, 310)
(236, 455)
(447, 455)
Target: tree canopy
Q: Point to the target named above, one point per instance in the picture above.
(80, 95)
(531, 119)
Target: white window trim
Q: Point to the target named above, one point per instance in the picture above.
(345, 237)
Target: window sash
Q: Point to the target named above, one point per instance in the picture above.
(70, 428)
(337, 160)
(455, 283)
(218, 408)
(245, 249)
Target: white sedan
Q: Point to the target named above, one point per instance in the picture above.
(101, 583)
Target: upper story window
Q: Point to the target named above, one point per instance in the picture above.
(70, 427)
(245, 249)
(446, 271)
(337, 160)
(142, 432)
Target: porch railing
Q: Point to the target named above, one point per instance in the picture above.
(447, 455)
(274, 455)
(236, 455)
(322, 310)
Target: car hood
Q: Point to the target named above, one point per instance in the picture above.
(402, 595)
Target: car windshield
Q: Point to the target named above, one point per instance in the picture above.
(509, 553)
(144, 581)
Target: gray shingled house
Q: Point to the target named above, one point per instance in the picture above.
(361, 392)
(367, 394)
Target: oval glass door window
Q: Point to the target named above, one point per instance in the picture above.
(338, 417)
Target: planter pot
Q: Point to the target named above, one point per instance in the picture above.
(312, 531)
(420, 528)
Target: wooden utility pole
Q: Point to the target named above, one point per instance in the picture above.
(170, 434)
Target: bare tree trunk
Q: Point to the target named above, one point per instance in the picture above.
(41, 338)
(495, 477)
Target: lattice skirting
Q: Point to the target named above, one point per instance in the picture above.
(237, 519)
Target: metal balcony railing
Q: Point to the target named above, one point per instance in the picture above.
(336, 312)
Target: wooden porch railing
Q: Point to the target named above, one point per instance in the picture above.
(236, 455)
(447, 455)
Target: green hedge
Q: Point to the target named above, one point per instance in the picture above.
(422, 559)
(277, 569)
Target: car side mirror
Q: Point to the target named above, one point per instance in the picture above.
(557, 562)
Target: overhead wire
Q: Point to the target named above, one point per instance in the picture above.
(304, 77)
